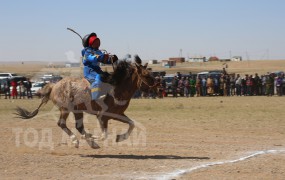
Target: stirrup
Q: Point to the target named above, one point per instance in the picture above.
(101, 103)
(102, 97)
(100, 100)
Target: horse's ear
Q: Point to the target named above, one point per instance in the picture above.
(145, 65)
(138, 60)
(139, 68)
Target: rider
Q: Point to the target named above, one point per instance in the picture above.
(92, 57)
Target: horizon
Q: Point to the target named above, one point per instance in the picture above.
(159, 61)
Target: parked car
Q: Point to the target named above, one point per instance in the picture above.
(277, 73)
(18, 78)
(7, 75)
(203, 74)
(36, 86)
(168, 81)
(50, 78)
(206, 74)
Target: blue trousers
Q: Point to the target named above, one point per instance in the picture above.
(95, 85)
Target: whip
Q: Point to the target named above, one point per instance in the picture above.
(75, 32)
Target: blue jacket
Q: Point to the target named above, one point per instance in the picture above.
(91, 61)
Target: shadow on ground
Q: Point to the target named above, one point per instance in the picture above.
(143, 157)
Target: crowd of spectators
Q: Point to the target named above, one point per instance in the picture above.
(186, 86)
(23, 89)
(222, 85)
(13, 89)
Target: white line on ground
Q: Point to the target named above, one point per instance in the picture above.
(180, 172)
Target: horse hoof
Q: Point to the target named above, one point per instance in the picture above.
(92, 143)
(86, 136)
(96, 137)
(95, 147)
(76, 143)
(99, 138)
(119, 138)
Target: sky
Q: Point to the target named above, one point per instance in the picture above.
(35, 30)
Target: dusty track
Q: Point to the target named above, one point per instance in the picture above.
(171, 135)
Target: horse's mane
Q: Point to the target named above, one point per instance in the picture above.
(122, 71)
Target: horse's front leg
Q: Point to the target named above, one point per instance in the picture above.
(131, 124)
(103, 122)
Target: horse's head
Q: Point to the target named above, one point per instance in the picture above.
(146, 81)
(132, 77)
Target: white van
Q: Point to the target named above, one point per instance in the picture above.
(203, 74)
(7, 75)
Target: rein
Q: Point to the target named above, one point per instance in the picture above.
(143, 81)
(112, 63)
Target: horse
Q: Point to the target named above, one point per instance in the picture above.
(73, 95)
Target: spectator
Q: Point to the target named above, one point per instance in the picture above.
(178, 75)
(232, 85)
(7, 90)
(186, 87)
(28, 89)
(238, 85)
(227, 84)
(204, 86)
(222, 84)
(174, 85)
(257, 85)
(14, 89)
(270, 85)
(283, 83)
(22, 90)
(198, 86)
(192, 82)
(160, 87)
(243, 85)
(210, 85)
(163, 86)
(249, 85)
(181, 86)
(216, 85)
(279, 85)
(263, 85)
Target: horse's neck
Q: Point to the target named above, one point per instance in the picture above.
(126, 90)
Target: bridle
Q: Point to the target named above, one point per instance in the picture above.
(141, 81)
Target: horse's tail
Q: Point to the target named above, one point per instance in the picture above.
(45, 92)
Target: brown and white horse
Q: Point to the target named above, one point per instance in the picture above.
(73, 95)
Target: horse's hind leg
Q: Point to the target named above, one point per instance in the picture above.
(80, 127)
(62, 123)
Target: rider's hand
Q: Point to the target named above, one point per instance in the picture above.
(106, 57)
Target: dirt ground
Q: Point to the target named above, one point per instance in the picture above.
(174, 138)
